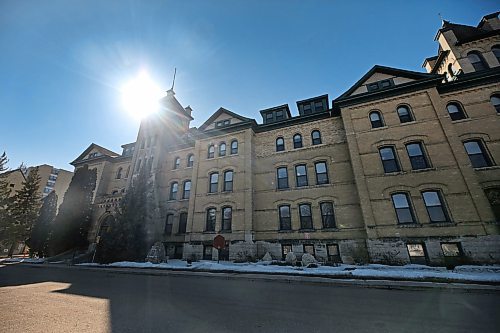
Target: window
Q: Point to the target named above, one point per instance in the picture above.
(228, 181)
(301, 175)
(477, 61)
(210, 219)
(316, 137)
(376, 119)
(173, 191)
(168, 224)
(227, 122)
(477, 154)
(309, 248)
(214, 182)
(128, 171)
(456, 112)
(285, 249)
(389, 160)
(404, 114)
(285, 217)
(118, 174)
(417, 157)
(186, 192)
(416, 253)
(269, 117)
(495, 101)
(297, 141)
(177, 163)
(207, 252)
(114, 192)
(307, 109)
(182, 223)
(318, 106)
(372, 86)
(435, 207)
(279, 115)
(327, 215)
(280, 144)
(222, 149)
(451, 249)
(333, 253)
(321, 173)
(211, 151)
(496, 52)
(190, 161)
(234, 147)
(227, 216)
(493, 195)
(305, 216)
(380, 85)
(403, 209)
(282, 174)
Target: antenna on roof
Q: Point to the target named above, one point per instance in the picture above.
(173, 81)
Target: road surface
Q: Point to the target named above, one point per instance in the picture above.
(44, 299)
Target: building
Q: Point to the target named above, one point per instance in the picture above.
(400, 168)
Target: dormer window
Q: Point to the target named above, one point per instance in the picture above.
(94, 154)
(313, 105)
(383, 84)
(279, 115)
(223, 123)
(269, 117)
(307, 109)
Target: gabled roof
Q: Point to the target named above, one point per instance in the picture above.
(218, 113)
(102, 150)
(388, 71)
(466, 33)
(6, 173)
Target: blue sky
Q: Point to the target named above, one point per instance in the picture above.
(62, 63)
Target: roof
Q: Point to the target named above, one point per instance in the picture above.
(275, 108)
(6, 173)
(466, 33)
(102, 150)
(312, 99)
(389, 71)
(169, 102)
(218, 113)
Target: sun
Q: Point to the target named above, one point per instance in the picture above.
(140, 96)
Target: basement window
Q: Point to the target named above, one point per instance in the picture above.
(451, 249)
(416, 253)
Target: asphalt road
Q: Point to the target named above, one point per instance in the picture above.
(41, 299)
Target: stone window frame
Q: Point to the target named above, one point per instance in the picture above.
(322, 173)
(118, 173)
(167, 231)
(485, 154)
(459, 248)
(323, 216)
(184, 196)
(213, 185)
(410, 116)
(222, 152)
(459, 114)
(297, 177)
(174, 189)
(422, 260)
(297, 144)
(211, 151)
(182, 223)
(376, 123)
(396, 159)
(224, 220)
(280, 147)
(423, 158)
(225, 184)
(318, 140)
(495, 106)
(335, 258)
(481, 64)
(283, 220)
(177, 163)
(495, 49)
(410, 207)
(288, 247)
(278, 185)
(234, 150)
(190, 161)
(442, 205)
(208, 219)
(304, 219)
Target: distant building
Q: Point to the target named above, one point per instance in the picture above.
(400, 168)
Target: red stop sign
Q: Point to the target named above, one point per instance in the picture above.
(219, 242)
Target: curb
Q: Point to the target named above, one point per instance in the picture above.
(336, 281)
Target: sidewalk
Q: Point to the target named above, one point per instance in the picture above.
(395, 276)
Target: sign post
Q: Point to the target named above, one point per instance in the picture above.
(219, 244)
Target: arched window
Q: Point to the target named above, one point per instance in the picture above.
(222, 149)
(106, 225)
(234, 147)
(214, 182)
(211, 219)
(227, 217)
(495, 101)
(169, 222)
(297, 141)
(190, 161)
(177, 163)
(402, 205)
(376, 119)
(119, 173)
(174, 187)
(455, 110)
(280, 144)
(404, 114)
(477, 61)
(316, 137)
(211, 151)
(186, 190)
(128, 171)
(496, 51)
(228, 181)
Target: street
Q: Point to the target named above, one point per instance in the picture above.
(44, 299)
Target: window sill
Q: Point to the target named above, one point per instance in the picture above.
(407, 123)
(460, 120)
(423, 170)
(307, 230)
(209, 232)
(492, 167)
(330, 229)
(171, 200)
(379, 128)
(225, 231)
(212, 193)
(409, 225)
(184, 199)
(395, 173)
(442, 224)
(285, 231)
(226, 192)
(180, 234)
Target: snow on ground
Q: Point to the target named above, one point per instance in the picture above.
(413, 272)
(26, 260)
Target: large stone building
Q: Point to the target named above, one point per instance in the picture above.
(400, 168)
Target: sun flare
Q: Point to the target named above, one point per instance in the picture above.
(140, 96)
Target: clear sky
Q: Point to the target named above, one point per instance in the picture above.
(62, 63)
